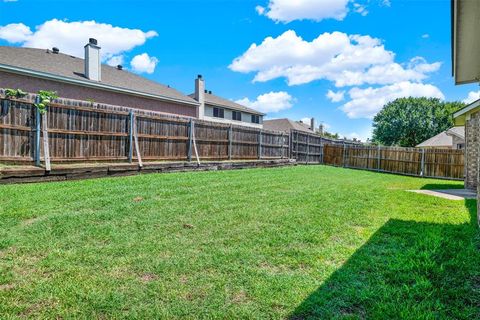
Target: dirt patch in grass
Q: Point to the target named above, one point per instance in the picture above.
(148, 277)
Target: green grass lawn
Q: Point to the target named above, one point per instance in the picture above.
(296, 242)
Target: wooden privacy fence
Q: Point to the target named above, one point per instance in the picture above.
(79, 131)
(432, 163)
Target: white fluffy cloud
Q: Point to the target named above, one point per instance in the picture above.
(143, 63)
(344, 59)
(335, 96)
(365, 103)
(317, 10)
(70, 37)
(269, 102)
(15, 32)
(472, 96)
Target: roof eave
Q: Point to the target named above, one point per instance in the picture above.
(96, 85)
(468, 108)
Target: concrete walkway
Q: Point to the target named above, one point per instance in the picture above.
(451, 194)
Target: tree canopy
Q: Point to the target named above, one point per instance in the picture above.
(406, 122)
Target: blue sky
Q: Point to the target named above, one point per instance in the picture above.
(288, 75)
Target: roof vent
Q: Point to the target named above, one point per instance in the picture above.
(55, 50)
(209, 92)
(93, 41)
(199, 76)
(120, 67)
(206, 91)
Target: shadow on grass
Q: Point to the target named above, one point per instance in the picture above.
(442, 186)
(407, 269)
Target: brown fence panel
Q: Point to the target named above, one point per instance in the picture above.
(162, 138)
(439, 163)
(333, 155)
(17, 124)
(77, 134)
(211, 140)
(274, 145)
(245, 143)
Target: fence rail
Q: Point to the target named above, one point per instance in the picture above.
(80, 131)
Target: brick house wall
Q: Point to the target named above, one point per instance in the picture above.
(30, 84)
(472, 143)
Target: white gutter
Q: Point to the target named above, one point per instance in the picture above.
(83, 83)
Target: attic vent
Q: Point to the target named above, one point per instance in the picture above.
(55, 50)
(120, 67)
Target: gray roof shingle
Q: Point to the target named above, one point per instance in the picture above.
(64, 65)
(285, 125)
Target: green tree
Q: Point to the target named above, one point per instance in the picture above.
(407, 122)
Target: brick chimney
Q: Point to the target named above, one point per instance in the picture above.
(200, 95)
(93, 67)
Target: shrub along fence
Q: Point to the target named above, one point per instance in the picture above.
(432, 163)
(82, 131)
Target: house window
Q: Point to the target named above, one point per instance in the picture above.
(236, 115)
(460, 146)
(255, 118)
(218, 113)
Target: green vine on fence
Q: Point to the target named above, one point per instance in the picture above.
(14, 93)
(45, 98)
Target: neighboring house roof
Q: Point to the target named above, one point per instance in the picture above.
(443, 139)
(286, 125)
(459, 132)
(217, 101)
(44, 64)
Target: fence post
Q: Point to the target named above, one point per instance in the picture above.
(344, 148)
(368, 157)
(283, 144)
(46, 147)
(260, 145)
(230, 138)
(190, 136)
(379, 157)
(296, 145)
(422, 164)
(37, 133)
(320, 159)
(290, 144)
(308, 149)
(130, 136)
